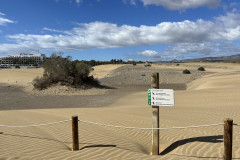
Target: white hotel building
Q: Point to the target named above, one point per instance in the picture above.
(22, 59)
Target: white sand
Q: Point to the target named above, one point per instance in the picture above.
(208, 100)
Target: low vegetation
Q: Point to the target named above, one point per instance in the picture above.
(186, 71)
(112, 61)
(201, 69)
(64, 71)
(17, 66)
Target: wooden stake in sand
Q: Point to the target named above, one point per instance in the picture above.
(75, 133)
(228, 130)
(155, 117)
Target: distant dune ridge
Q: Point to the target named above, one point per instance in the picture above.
(200, 98)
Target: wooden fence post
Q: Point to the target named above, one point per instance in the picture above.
(228, 131)
(155, 117)
(75, 139)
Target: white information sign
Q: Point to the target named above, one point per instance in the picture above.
(161, 97)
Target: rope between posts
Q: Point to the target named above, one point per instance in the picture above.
(109, 125)
(36, 125)
(113, 126)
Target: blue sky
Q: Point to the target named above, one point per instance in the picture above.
(121, 29)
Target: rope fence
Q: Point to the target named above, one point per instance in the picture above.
(113, 126)
(125, 127)
(36, 125)
(228, 125)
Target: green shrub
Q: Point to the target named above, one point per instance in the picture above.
(201, 69)
(177, 64)
(17, 66)
(35, 65)
(134, 63)
(42, 83)
(186, 71)
(66, 72)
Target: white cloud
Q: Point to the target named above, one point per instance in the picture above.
(4, 21)
(180, 51)
(179, 4)
(148, 53)
(154, 55)
(78, 1)
(204, 49)
(55, 30)
(132, 2)
(108, 35)
(70, 1)
(183, 4)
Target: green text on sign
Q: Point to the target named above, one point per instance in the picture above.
(161, 97)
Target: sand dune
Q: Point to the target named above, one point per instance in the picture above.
(104, 71)
(209, 99)
(23, 76)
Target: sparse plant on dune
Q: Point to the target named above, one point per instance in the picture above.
(65, 72)
(186, 71)
(201, 69)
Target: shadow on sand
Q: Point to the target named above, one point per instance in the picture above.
(97, 145)
(211, 139)
(65, 143)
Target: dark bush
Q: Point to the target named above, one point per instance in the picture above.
(177, 64)
(65, 72)
(17, 66)
(41, 83)
(35, 65)
(134, 63)
(201, 69)
(186, 71)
